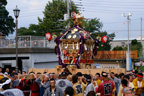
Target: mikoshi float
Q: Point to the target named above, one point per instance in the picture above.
(76, 46)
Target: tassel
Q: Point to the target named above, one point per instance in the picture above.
(95, 51)
(77, 46)
(56, 49)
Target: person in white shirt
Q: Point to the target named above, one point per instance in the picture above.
(7, 71)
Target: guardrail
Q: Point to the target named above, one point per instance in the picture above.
(26, 42)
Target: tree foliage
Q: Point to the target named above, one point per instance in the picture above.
(7, 24)
(93, 25)
(32, 30)
(53, 13)
(135, 45)
(104, 46)
(117, 48)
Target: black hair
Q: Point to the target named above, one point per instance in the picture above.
(91, 93)
(79, 74)
(69, 73)
(116, 75)
(112, 72)
(59, 76)
(63, 74)
(12, 75)
(66, 70)
(52, 79)
(1, 94)
(140, 74)
(126, 76)
(69, 91)
(39, 73)
(121, 74)
(98, 74)
(85, 75)
(44, 72)
(15, 73)
(32, 72)
(6, 86)
(129, 74)
(136, 71)
(24, 71)
(74, 78)
(124, 81)
(104, 74)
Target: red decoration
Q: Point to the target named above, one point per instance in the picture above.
(104, 39)
(73, 15)
(64, 52)
(48, 36)
(86, 35)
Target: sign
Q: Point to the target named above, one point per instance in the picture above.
(65, 17)
(97, 65)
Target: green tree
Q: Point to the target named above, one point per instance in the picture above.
(104, 46)
(135, 45)
(93, 25)
(54, 11)
(118, 48)
(7, 24)
(32, 30)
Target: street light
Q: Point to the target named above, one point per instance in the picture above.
(16, 14)
(128, 50)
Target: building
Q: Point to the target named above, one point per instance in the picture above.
(115, 43)
(33, 52)
(37, 52)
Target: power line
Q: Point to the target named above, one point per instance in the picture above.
(89, 6)
(110, 2)
(110, 12)
(113, 10)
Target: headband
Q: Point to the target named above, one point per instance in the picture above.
(139, 75)
(6, 82)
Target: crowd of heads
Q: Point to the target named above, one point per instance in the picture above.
(51, 79)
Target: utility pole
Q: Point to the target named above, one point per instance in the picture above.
(141, 30)
(128, 59)
(68, 12)
(141, 38)
(128, 50)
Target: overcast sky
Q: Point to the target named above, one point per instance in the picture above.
(108, 11)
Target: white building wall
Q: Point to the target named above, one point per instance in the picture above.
(44, 60)
(48, 60)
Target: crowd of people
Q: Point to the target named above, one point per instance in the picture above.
(68, 84)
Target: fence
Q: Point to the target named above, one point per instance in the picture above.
(115, 55)
(26, 42)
